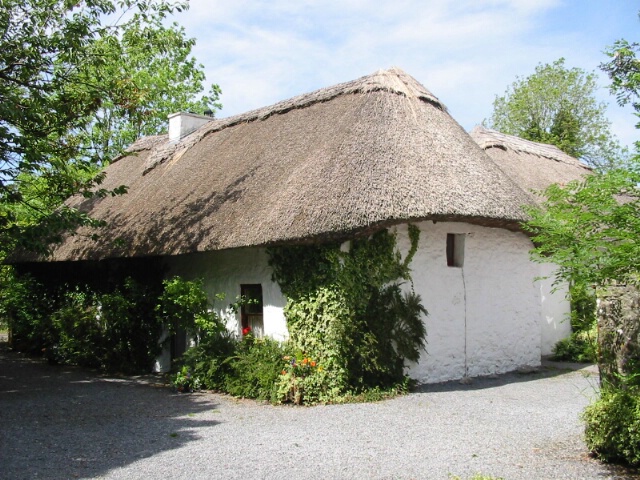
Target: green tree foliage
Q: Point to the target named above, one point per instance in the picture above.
(582, 344)
(69, 80)
(557, 105)
(153, 63)
(591, 228)
(624, 71)
(184, 305)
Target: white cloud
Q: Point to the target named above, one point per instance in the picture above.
(465, 52)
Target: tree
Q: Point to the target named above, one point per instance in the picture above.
(591, 230)
(624, 71)
(68, 82)
(156, 63)
(557, 105)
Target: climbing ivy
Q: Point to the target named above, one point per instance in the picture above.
(347, 310)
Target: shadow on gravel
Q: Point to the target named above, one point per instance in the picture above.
(65, 422)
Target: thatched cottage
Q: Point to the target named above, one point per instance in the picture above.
(374, 153)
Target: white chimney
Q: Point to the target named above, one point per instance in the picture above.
(182, 124)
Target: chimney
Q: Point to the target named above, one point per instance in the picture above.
(182, 124)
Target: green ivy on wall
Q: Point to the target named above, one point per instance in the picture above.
(346, 309)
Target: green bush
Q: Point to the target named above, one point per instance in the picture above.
(255, 369)
(345, 309)
(77, 334)
(25, 307)
(116, 331)
(185, 382)
(318, 325)
(613, 425)
(250, 368)
(131, 328)
(351, 327)
(582, 344)
(184, 304)
(209, 360)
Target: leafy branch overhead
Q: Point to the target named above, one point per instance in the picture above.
(590, 229)
(75, 89)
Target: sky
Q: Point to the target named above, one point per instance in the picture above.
(464, 51)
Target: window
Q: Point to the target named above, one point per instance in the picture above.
(455, 249)
(251, 314)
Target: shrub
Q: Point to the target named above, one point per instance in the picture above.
(116, 331)
(613, 424)
(184, 381)
(581, 345)
(184, 304)
(345, 309)
(255, 369)
(318, 325)
(209, 360)
(300, 375)
(131, 328)
(249, 368)
(77, 334)
(25, 307)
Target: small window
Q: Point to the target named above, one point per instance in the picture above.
(251, 314)
(455, 249)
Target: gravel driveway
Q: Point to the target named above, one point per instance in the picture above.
(64, 422)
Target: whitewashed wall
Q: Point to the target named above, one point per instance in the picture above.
(555, 323)
(484, 318)
(224, 272)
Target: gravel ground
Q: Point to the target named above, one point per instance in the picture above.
(64, 422)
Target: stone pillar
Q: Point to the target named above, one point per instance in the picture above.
(618, 332)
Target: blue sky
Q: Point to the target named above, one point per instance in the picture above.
(464, 51)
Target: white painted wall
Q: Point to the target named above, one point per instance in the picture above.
(223, 272)
(484, 318)
(555, 323)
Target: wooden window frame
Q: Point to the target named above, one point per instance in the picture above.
(251, 310)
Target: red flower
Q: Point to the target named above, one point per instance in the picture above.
(246, 330)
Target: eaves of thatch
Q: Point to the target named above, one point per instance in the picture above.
(343, 160)
(533, 166)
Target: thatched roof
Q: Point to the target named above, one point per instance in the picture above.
(533, 166)
(351, 158)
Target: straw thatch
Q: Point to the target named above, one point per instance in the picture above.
(533, 166)
(351, 158)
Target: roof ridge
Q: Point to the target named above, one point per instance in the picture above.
(394, 80)
(490, 138)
